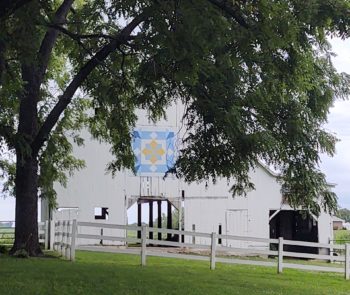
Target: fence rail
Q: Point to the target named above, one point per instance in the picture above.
(66, 234)
(7, 233)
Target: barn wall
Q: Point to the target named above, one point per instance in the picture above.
(91, 187)
(206, 206)
(207, 210)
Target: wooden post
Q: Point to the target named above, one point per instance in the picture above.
(66, 230)
(182, 213)
(213, 251)
(170, 221)
(347, 261)
(280, 255)
(139, 221)
(331, 250)
(180, 220)
(73, 240)
(52, 234)
(68, 239)
(46, 234)
(63, 224)
(57, 236)
(143, 245)
(150, 220)
(159, 203)
(193, 237)
(56, 229)
(101, 233)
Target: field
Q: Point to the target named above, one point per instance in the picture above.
(342, 236)
(103, 273)
(6, 236)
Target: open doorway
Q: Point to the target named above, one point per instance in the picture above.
(294, 225)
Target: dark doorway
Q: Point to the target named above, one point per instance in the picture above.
(294, 225)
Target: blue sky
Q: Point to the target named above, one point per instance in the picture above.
(337, 168)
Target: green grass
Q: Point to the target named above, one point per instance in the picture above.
(103, 273)
(342, 236)
(6, 236)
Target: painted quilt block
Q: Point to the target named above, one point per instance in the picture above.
(154, 151)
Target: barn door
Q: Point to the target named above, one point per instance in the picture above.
(237, 225)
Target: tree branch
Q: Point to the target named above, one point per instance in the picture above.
(50, 37)
(75, 36)
(230, 9)
(79, 78)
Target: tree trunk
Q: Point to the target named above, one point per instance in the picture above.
(26, 182)
(26, 232)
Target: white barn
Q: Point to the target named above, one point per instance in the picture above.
(94, 196)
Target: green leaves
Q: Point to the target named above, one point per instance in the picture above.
(255, 76)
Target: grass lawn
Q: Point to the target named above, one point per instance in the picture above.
(342, 236)
(104, 273)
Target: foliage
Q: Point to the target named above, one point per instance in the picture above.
(175, 220)
(342, 236)
(105, 273)
(344, 213)
(255, 76)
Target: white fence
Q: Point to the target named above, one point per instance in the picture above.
(65, 235)
(7, 233)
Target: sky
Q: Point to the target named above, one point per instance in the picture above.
(337, 169)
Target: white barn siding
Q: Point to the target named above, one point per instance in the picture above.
(90, 188)
(207, 210)
(205, 206)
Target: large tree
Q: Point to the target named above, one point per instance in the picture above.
(256, 78)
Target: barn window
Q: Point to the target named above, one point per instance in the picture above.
(101, 213)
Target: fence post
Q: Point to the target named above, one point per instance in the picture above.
(331, 250)
(69, 239)
(62, 225)
(280, 255)
(73, 240)
(347, 261)
(143, 245)
(55, 240)
(193, 237)
(57, 235)
(52, 234)
(65, 232)
(212, 251)
(46, 234)
(101, 233)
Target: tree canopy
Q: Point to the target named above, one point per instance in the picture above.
(256, 78)
(344, 213)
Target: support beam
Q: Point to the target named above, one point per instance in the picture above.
(182, 228)
(274, 214)
(139, 222)
(159, 203)
(170, 220)
(150, 220)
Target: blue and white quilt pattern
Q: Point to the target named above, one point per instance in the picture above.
(154, 151)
